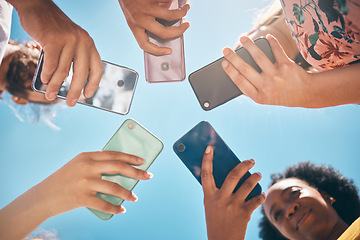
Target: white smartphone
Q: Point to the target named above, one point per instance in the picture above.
(115, 92)
(171, 67)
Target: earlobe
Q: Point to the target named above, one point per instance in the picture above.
(327, 197)
(19, 100)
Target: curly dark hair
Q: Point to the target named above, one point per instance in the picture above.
(21, 71)
(323, 178)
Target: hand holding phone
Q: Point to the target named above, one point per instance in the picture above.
(213, 87)
(223, 206)
(72, 186)
(63, 42)
(170, 67)
(140, 16)
(115, 91)
(134, 139)
(190, 149)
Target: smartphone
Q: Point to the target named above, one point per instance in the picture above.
(115, 91)
(190, 149)
(171, 67)
(213, 87)
(130, 138)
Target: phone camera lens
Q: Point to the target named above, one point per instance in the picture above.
(181, 147)
(130, 125)
(206, 104)
(164, 66)
(121, 83)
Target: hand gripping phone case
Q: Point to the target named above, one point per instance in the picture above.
(171, 67)
(130, 138)
(190, 149)
(115, 92)
(213, 87)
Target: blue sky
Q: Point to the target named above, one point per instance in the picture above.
(170, 205)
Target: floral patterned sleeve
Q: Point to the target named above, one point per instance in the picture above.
(327, 32)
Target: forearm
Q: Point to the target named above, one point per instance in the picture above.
(23, 215)
(21, 5)
(335, 87)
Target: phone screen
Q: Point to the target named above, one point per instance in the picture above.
(191, 147)
(115, 91)
(213, 87)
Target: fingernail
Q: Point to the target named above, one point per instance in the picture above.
(226, 51)
(259, 173)
(135, 198)
(264, 194)
(168, 51)
(52, 96)
(73, 102)
(225, 64)
(148, 175)
(244, 39)
(252, 161)
(208, 150)
(139, 160)
(187, 25)
(123, 210)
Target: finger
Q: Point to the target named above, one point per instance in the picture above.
(144, 43)
(60, 74)
(95, 74)
(240, 80)
(255, 202)
(81, 72)
(114, 189)
(257, 54)
(207, 178)
(234, 176)
(169, 15)
(243, 67)
(104, 206)
(278, 51)
(117, 167)
(51, 62)
(163, 32)
(247, 186)
(113, 155)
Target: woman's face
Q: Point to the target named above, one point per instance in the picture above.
(299, 211)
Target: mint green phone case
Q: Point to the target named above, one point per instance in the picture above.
(130, 138)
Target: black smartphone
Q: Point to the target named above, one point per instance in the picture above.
(213, 87)
(115, 91)
(190, 149)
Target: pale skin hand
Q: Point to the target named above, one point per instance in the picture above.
(72, 186)
(63, 42)
(285, 83)
(227, 213)
(140, 16)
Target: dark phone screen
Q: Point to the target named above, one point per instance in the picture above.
(191, 147)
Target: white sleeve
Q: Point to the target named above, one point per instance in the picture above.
(5, 25)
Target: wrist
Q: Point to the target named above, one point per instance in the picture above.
(312, 89)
